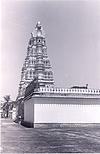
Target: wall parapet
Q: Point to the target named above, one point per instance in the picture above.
(64, 92)
(69, 91)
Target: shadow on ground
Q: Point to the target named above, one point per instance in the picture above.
(69, 139)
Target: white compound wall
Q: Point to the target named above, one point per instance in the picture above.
(63, 110)
(64, 113)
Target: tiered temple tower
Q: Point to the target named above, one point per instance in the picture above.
(37, 64)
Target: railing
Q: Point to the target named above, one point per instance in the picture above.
(74, 92)
(67, 93)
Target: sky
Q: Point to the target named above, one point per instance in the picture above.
(72, 30)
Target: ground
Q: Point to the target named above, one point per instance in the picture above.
(18, 139)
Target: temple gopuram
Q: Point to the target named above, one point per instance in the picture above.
(41, 102)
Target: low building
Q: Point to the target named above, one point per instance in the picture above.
(59, 106)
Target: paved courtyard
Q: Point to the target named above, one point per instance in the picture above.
(18, 139)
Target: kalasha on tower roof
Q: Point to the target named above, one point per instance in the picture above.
(37, 64)
(39, 29)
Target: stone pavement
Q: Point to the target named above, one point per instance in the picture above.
(18, 139)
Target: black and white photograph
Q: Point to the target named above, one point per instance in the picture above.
(49, 76)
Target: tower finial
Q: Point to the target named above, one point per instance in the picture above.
(38, 25)
(39, 29)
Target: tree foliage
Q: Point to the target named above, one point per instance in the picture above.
(7, 105)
